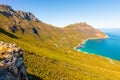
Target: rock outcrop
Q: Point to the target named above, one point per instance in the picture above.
(12, 62)
(6, 7)
(27, 15)
(7, 10)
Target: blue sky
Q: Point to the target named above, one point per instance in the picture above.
(98, 13)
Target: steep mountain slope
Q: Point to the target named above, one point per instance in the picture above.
(49, 53)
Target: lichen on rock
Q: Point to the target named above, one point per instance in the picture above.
(12, 65)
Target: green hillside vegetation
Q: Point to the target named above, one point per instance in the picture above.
(49, 51)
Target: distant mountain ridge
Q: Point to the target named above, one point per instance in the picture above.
(19, 21)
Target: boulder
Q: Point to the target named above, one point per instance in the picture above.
(12, 65)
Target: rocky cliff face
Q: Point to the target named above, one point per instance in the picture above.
(9, 12)
(27, 15)
(11, 62)
(6, 7)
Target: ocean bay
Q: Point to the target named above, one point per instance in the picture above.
(109, 47)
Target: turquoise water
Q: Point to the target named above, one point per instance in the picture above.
(109, 47)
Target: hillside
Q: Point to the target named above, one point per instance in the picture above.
(49, 53)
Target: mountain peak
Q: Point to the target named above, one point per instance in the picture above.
(5, 7)
(27, 15)
(7, 11)
(81, 25)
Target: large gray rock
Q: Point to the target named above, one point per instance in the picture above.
(11, 62)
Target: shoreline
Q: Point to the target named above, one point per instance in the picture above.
(109, 59)
(84, 41)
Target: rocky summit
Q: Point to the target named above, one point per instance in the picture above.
(12, 62)
(7, 10)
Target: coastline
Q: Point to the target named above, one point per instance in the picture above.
(109, 59)
(84, 41)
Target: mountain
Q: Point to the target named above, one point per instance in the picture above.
(9, 12)
(27, 15)
(50, 51)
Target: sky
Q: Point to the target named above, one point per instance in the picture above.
(97, 13)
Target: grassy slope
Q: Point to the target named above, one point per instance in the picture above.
(50, 62)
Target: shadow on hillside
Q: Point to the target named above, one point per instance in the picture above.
(33, 77)
(7, 33)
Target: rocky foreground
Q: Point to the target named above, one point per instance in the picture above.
(11, 62)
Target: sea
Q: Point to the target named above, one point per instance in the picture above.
(109, 47)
